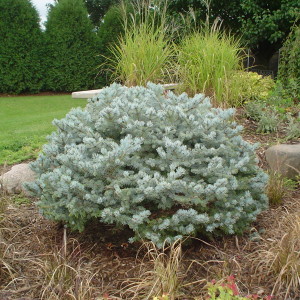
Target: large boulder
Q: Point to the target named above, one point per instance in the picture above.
(284, 159)
(12, 181)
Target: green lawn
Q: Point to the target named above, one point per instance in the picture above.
(26, 121)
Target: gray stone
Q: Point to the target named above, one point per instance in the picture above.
(284, 159)
(12, 181)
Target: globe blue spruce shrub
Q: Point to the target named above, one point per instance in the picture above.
(165, 165)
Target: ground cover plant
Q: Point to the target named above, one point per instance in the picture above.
(26, 121)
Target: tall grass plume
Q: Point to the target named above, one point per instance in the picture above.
(145, 51)
(207, 59)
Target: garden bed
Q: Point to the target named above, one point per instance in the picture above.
(101, 263)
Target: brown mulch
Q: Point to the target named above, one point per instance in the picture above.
(202, 258)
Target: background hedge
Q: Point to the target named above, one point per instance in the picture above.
(21, 47)
(72, 48)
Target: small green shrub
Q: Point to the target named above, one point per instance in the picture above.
(167, 166)
(269, 121)
(267, 118)
(278, 110)
(253, 109)
(289, 68)
(293, 127)
(282, 99)
(248, 86)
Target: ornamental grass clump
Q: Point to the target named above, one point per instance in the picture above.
(167, 166)
(208, 59)
(144, 53)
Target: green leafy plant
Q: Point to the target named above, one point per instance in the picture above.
(289, 68)
(229, 291)
(276, 111)
(293, 127)
(268, 122)
(20, 199)
(281, 98)
(145, 51)
(253, 109)
(247, 87)
(167, 166)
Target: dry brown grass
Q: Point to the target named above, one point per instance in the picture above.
(160, 272)
(66, 273)
(36, 267)
(41, 260)
(279, 258)
(278, 187)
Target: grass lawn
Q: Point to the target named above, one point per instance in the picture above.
(26, 121)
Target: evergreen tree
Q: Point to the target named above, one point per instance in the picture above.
(20, 47)
(98, 8)
(72, 48)
(109, 32)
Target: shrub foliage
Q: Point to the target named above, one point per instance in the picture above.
(72, 47)
(165, 165)
(20, 47)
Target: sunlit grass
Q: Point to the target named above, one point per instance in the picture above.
(26, 121)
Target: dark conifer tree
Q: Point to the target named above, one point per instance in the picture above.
(20, 48)
(73, 48)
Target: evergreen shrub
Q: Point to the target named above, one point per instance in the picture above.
(164, 165)
(72, 48)
(21, 68)
(110, 30)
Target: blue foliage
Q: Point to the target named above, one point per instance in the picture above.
(165, 165)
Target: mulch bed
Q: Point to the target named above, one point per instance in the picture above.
(203, 258)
